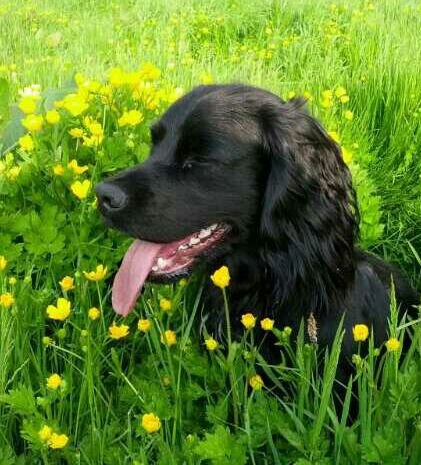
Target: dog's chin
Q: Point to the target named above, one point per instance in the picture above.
(179, 259)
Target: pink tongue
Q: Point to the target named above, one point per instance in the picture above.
(134, 270)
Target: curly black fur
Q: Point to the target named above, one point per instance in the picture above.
(242, 156)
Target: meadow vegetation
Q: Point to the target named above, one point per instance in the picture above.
(80, 84)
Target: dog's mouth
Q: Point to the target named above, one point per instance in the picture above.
(160, 261)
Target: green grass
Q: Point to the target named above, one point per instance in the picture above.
(209, 413)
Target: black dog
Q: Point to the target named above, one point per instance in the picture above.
(236, 176)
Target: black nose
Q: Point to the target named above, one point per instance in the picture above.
(110, 196)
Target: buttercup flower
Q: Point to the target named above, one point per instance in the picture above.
(211, 343)
(45, 432)
(61, 311)
(166, 305)
(344, 99)
(393, 344)
(118, 332)
(33, 122)
(13, 173)
(26, 143)
(144, 325)
(94, 313)
(58, 441)
(7, 299)
(73, 165)
(267, 324)
(348, 115)
(97, 275)
(130, 118)
(54, 381)
(74, 104)
(3, 262)
(28, 105)
(169, 338)
(248, 320)
(77, 133)
(256, 382)
(340, 91)
(52, 117)
(151, 423)
(81, 189)
(58, 170)
(221, 277)
(67, 283)
(360, 332)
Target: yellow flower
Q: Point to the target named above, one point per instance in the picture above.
(211, 343)
(52, 116)
(61, 311)
(116, 77)
(33, 122)
(326, 103)
(149, 72)
(144, 325)
(7, 299)
(93, 313)
(151, 423)
(3, 262)
(267, 324)
(346, 155)
(327, 95)
(169, 338)
(28, 105)
(221, 277)
(26, 143)
(256, 382)
(54, 381)
(348, 115)
(291, 94)
(73, 165)
(130, 118)
(97, 275)
(81, 189)
(248, 320)
(74, 104)
(77, 133)
(344, 99)
(12, 280)
(165, 305)
(13, 173)
(58, 170)
(392, 344)
(340, 91)
(206, 78)
(334, 135)
(45, 432)
(67, 283)
(360, 332)
(117, 332)
(58, 441)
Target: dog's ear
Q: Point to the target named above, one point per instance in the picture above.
(309, 219)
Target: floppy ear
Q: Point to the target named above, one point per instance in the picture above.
(309, 218)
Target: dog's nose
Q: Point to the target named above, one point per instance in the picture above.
(110, 196)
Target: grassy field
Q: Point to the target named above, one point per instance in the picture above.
(77, 384)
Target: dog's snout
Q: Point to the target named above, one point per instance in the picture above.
(111, 197)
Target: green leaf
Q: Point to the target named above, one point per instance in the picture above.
(21, 400)
(4, 101)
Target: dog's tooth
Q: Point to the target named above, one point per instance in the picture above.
(213, 227)
(155, 268)
(205, 233)
(183, 247)
(194, 241)
(161, 262)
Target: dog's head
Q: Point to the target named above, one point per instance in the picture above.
(231, 166)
